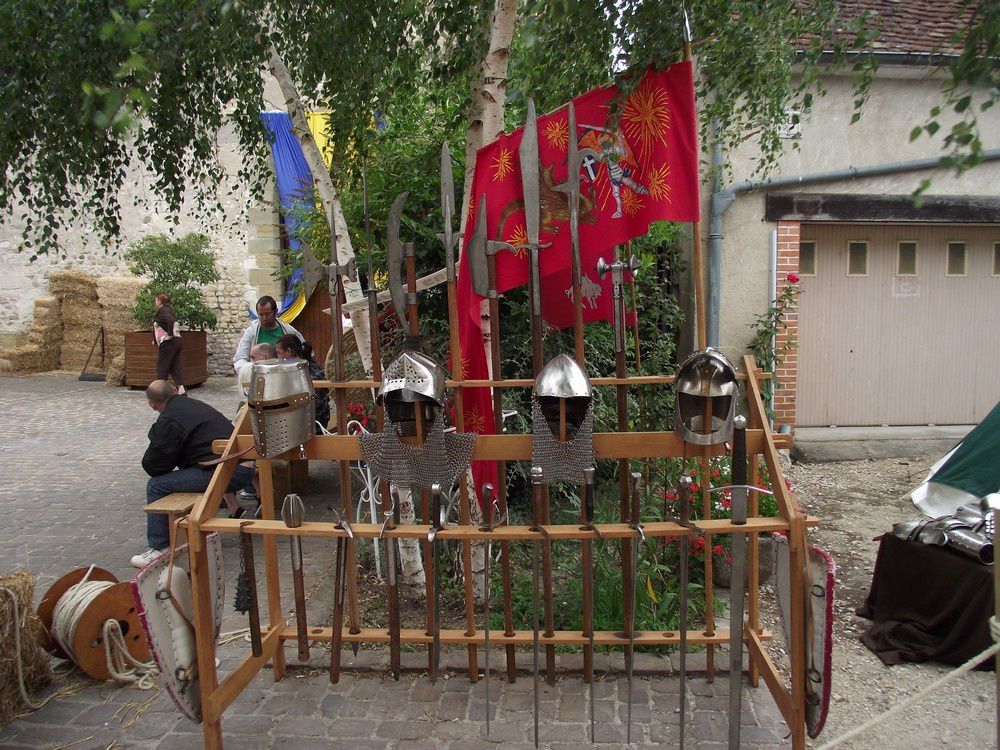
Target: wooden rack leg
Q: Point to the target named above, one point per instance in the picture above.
(798, 559)
(753, 557)
(429, 573)
(204, 635)
(266, 476)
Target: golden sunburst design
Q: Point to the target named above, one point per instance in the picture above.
(646, 118)
(557, 133)
(659, 182)
(462, 370)
(631, 203)
(503, 164)
(518, 237)
(474, 421)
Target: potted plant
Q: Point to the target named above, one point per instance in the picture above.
(180, 268)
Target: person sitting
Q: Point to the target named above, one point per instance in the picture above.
(289, 347)
(179, 439)
(267, 329)
(258, 353)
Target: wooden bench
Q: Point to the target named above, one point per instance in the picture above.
(173, 506)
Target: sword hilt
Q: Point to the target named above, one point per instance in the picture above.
(435, 512)
(739, 469)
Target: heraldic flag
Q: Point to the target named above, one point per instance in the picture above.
(646, 170)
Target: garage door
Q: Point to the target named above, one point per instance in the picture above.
(898, 324)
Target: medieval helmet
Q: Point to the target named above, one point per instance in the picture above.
(562, 379)
(282, 408)
(412, 378)
(706, 384)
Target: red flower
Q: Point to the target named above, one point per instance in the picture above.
(716, 473)
(694, 489)
(793, 278)
(718, 549)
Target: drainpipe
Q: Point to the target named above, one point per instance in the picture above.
(723, 199)
(773, 279)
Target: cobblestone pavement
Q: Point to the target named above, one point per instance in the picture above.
(72, 495)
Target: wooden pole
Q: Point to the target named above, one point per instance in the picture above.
(753, 560)
(265, 475)
(706, 512)
(697, 262)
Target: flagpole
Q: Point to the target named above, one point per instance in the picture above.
(698, 261)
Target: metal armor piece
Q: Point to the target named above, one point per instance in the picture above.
(410, 379)
(969, 531)
(282, 409)
(563, 378)
(706, 386)
(438, 460)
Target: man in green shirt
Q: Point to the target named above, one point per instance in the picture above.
(267, 329)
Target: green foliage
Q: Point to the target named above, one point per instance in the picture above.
(771, 342)
(177, 267)
(971, 86)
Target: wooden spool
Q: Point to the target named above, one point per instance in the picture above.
(114, 603)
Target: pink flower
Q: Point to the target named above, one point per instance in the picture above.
(793, 278)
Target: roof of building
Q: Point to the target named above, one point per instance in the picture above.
(911, 26)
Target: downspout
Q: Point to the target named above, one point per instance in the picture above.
(773, 289)
(723, 199)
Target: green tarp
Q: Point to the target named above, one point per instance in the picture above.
(975, 466)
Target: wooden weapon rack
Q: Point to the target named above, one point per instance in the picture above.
(217, 693)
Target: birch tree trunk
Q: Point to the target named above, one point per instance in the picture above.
(340, 238)
(485, 125)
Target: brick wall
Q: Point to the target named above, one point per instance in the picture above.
(788, 263)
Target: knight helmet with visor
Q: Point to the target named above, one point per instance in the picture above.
(706, 392)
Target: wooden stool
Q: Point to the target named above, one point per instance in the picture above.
(174, 505)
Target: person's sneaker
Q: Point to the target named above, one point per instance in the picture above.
(145, 558)
(247, 496)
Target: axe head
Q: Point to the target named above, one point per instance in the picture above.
(478, 262)
(394, 255)
(313, 272)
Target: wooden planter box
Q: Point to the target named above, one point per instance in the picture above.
(140, 358)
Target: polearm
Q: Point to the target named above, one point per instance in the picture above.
(483, 270)
(449, 239)
(431, 538)
(684, 519)
(385, 492)
(635, 522)
(574, 162)
(344, 548)
(489, 503)
(588, 590)
(405, 304)
(528, 156)
(616, 269)
(537, 501)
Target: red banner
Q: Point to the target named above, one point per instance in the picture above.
(645, 170)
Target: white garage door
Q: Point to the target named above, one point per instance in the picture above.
(898, 324)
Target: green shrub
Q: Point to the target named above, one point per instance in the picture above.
(179, 268)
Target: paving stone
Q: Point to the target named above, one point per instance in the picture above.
(403, 730)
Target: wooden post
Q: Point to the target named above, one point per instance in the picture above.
(275, 618)
(753, 558)
(204, 624)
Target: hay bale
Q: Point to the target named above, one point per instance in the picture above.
(68, 282)
(77, 313)
(119, 291)
(24, 360)
(116, 372)
(19, 587)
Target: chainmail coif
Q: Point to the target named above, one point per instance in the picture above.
(439, 460)
(561, 461)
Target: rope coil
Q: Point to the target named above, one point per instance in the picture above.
(122, 666)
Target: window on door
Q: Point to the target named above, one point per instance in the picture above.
(857, 258)
(956, 259)
(996, 258)
(807, 258)
(906, 259)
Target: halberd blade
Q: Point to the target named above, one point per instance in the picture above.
(313, 272)
(528, 155)
(478, 261)
(394, 254)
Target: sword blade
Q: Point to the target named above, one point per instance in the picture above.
(394, 254)
(738, 582)
(684, 511)
(448, 209)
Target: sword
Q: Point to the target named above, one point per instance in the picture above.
(574, 162)
(588, 582)
(436, 625)
(738, 583)
(246, 546)
(292, 512)
(636, 525)
(393, 591)
(537, 493)
(395, 251)
(487, 495)
(343, 557)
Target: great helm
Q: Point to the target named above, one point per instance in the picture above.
(282, 409)
(563, 379)
(706, 385)
(411, 379)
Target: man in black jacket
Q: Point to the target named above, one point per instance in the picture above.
(180, 438)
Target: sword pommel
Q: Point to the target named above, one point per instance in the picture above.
(536, 474)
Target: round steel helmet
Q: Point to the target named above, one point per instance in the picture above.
(562, 379)
(706, 383)
(410, 379)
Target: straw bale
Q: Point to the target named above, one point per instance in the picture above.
(24, 360)
(116, 372)
(76, 313)
(72, 357)
(69, 282)
(33, 658)
(118, 291)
